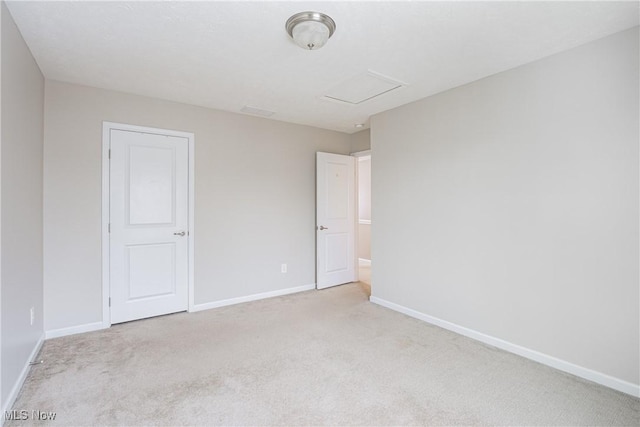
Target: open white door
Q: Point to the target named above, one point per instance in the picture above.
(335, 219)
(149, 213)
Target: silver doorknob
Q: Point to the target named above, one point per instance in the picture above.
(179, 233)
(322, 227)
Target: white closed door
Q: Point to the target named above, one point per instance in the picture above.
(148, 218)
(335, 219)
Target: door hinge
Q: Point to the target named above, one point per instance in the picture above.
(109, 228)
(109, 153)
(109, 301)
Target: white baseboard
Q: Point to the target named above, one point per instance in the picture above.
(254, 297)
(72, 330)
(362, 261)
(562, 365)
(13, 394)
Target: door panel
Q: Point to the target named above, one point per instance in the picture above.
(337, 195)
(151, 179)
(151, 270)
(335, 219)
(148, 213)
(337, 252)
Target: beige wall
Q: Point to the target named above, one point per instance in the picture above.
(509, 206)
(254, 197)
(21, 215)
(364, 241)
(360, 141)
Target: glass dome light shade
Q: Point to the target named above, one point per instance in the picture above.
(310, 35)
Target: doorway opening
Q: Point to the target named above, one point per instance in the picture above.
(364, 218)
(343, 220)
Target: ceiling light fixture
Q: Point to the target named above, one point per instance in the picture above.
(310, 30)
(359, 125)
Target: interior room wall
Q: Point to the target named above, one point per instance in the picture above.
(254, 197)
(364, 207)
(21, 211)
(509, 207)
(360, 141)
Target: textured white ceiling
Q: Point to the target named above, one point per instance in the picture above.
(226, 55)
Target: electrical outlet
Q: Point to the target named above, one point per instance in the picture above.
(283, 268)
(32, 315)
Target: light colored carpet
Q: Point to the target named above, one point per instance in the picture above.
(315, 358)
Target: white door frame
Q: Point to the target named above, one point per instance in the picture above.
(107, 127)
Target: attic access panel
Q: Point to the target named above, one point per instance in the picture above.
(363, 87)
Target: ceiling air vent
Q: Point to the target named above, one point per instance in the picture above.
(363, 87)
(257, 111)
